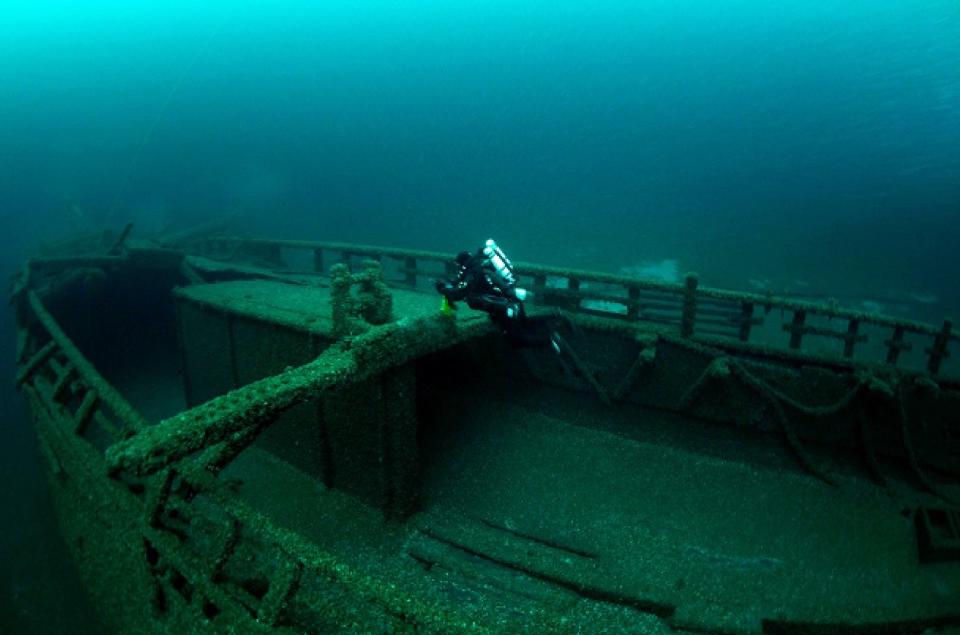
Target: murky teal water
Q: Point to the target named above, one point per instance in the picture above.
(806, 146)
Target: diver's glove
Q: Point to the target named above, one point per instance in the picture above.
(443, 287)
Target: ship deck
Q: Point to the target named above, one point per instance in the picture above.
(303, 307)
(417, 470)
(536, 507)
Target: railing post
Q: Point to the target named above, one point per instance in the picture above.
(797, 327)
(689, 317)
(539, 282)
(851, 339)
(410, 275)
(35, 361)
(746, 321)
(572, 302)
(633, 307)
(318, 260)
(895, 345)
(938, 352)
(85, 412)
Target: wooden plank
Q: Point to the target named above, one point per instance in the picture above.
(540, 557)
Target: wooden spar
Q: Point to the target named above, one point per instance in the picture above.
(259, 403)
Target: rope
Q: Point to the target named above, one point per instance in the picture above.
(722, 366)
(869, 455)
(912, 460)
(776, 398)
(583, 369)
(716, 368)
(814, 411)
(793, 441)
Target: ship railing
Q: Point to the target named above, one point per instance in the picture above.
(81, 404)
(727, 318)
(194, 568)
(178, 462)
(53, 372)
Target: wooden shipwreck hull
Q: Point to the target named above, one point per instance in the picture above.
(256, 435)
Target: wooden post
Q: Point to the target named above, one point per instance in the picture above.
(539, 287)
(797, 327)
(63, 383)
(746, 321)
(895, 345)
(284, 582)
(848, 342)
(410, 275)
(572, 302)
(939, 350)
(35, 362)
(689, 318)
(539, 283)
(633, 306)
(318, 260)
(85, 412)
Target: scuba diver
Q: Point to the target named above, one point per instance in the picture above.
(486, 281)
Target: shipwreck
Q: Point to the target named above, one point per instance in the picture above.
(254, 435)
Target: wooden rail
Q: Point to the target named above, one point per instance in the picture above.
(257, 404)
(97, 393)
(689, 307)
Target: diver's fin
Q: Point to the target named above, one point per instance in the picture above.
(446, 307)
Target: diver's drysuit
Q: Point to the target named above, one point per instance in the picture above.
(486, 281)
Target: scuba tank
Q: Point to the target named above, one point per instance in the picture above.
(501, 265)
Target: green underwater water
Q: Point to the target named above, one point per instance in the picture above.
(808, 147)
